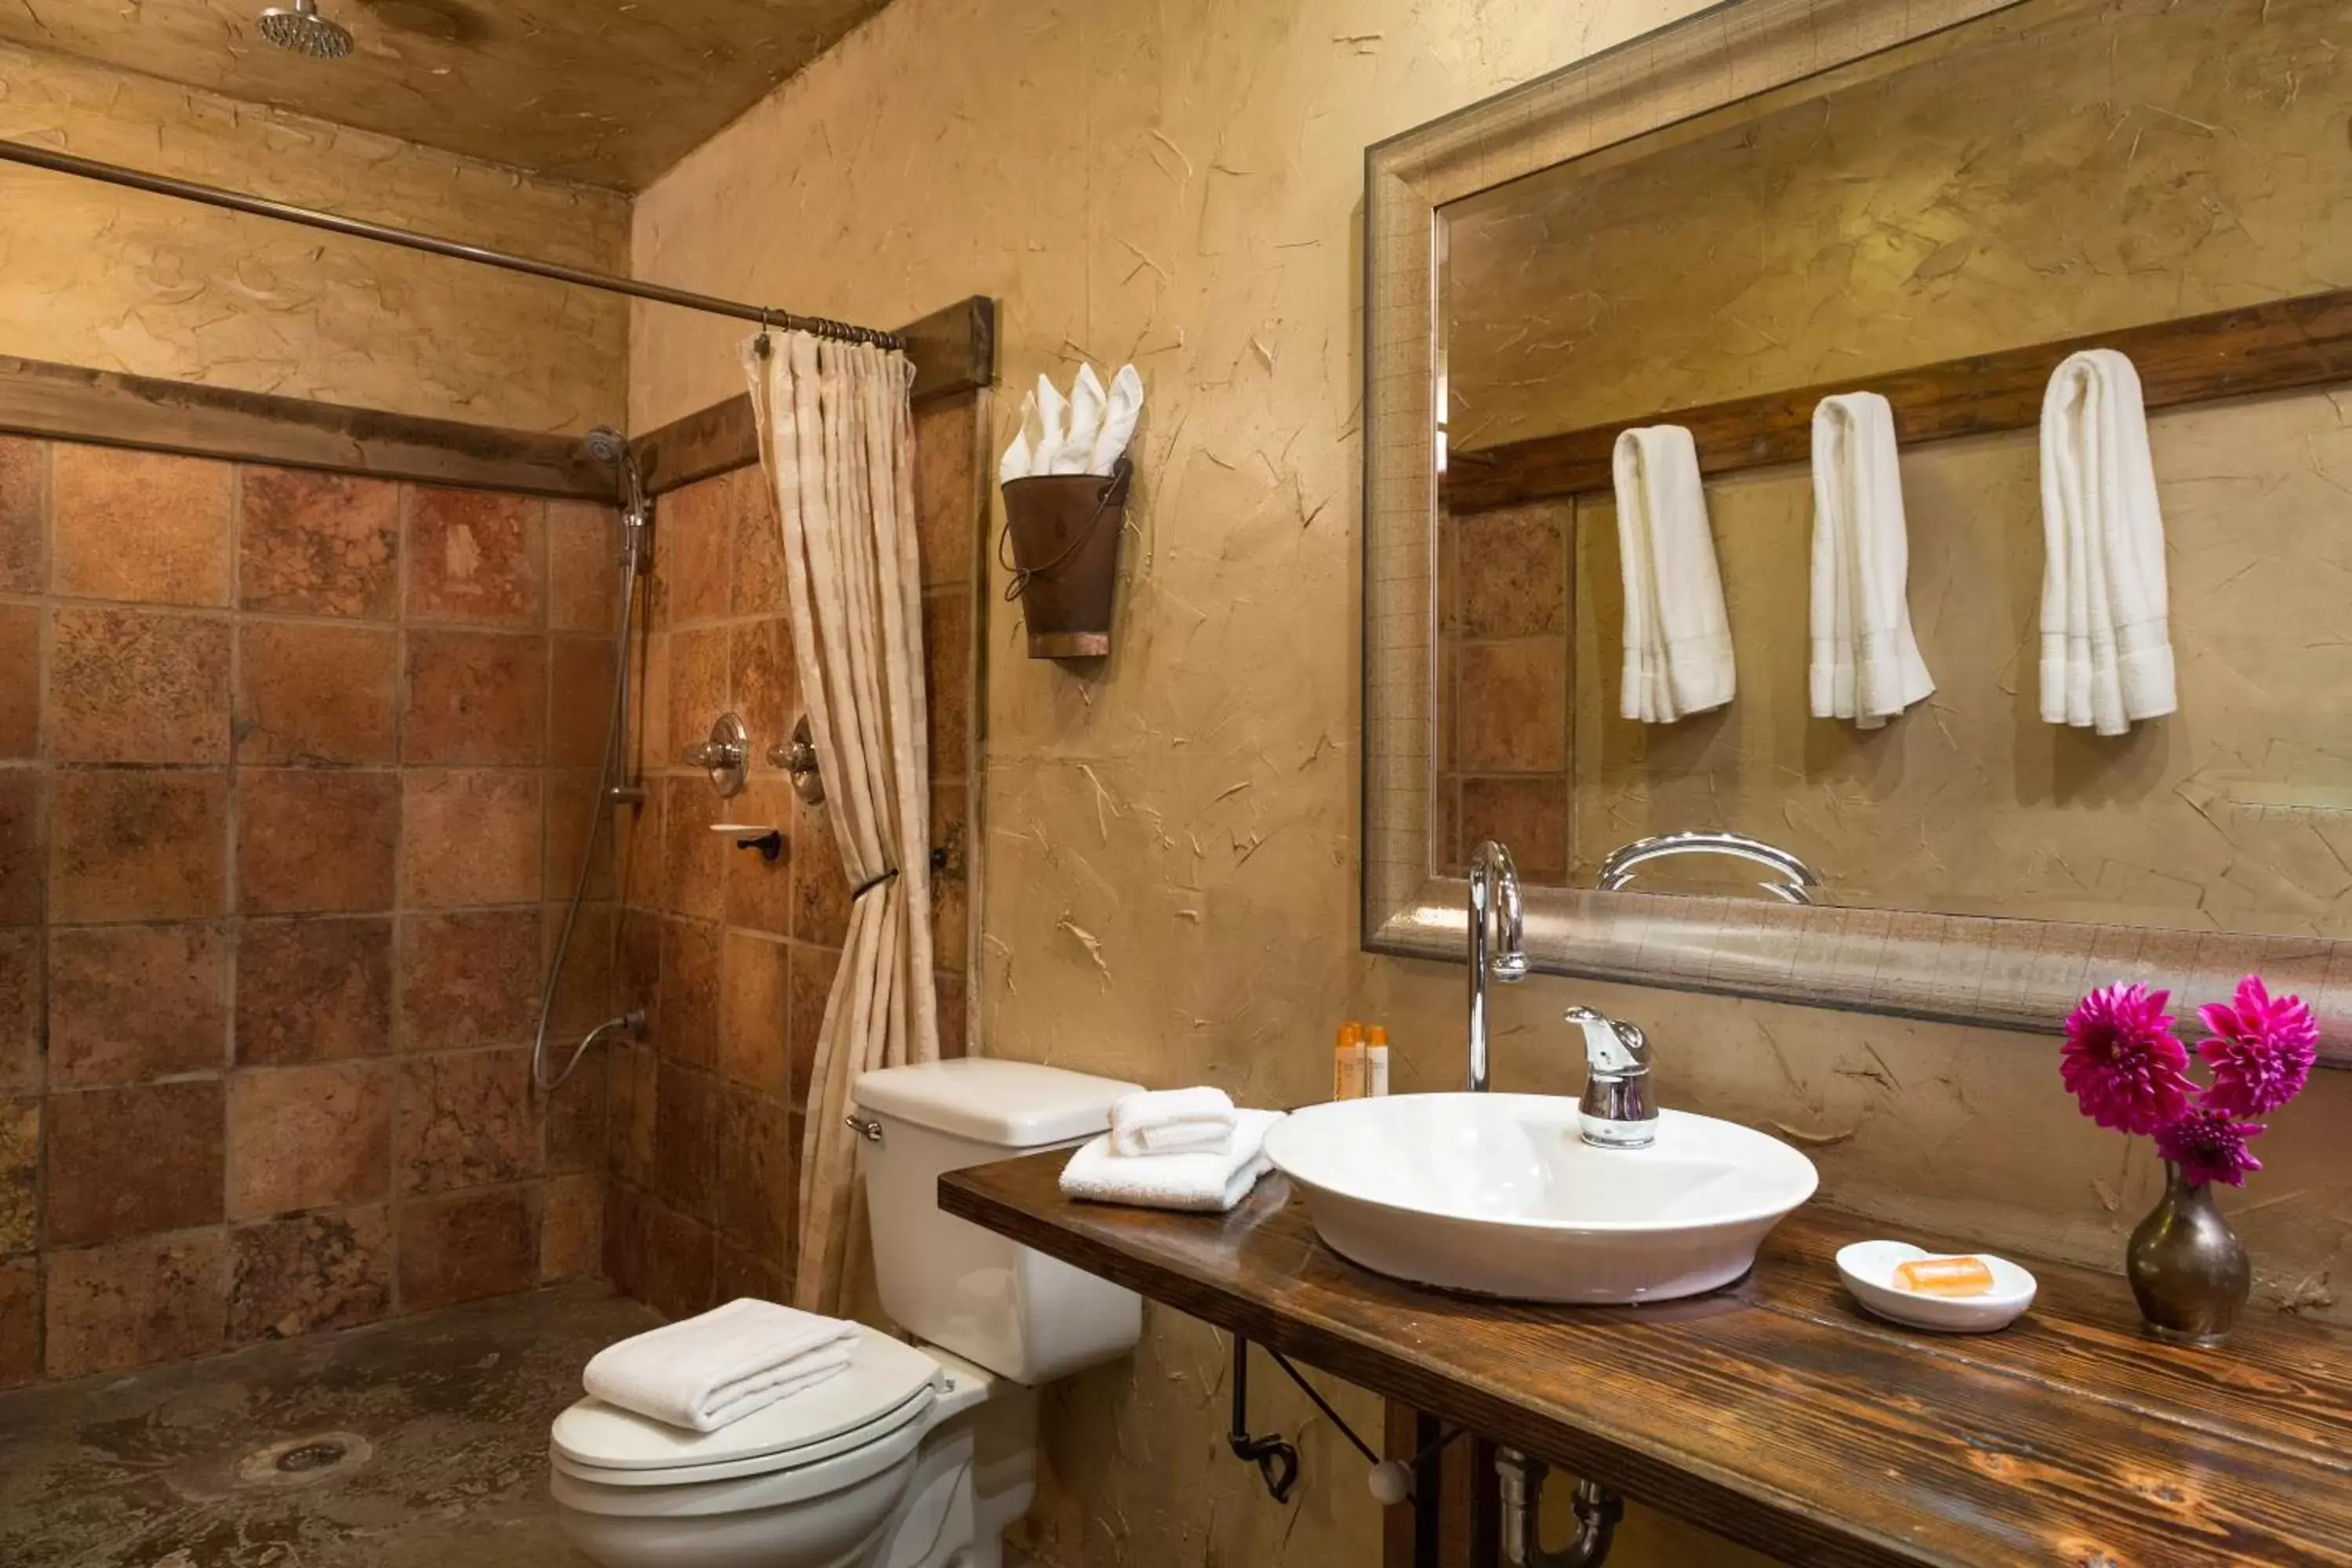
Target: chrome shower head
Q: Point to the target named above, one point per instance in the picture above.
(607, 445)
(299, 28)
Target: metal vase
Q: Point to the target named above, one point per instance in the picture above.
(2188, 1268)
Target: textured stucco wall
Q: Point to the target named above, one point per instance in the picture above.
(1173, 886)
(93, 275)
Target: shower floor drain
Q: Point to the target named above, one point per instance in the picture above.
(305, 1461)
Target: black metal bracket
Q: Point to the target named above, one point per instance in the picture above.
(1277, 1460)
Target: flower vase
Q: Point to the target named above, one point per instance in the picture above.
(2188, 1268)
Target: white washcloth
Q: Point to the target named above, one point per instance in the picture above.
(1866, 665)
(1171, 1122)
(732, 1360)
(1053, 432)
(1121, 409)
(2107, 643)
(1086, 423)
(1678, 634)
(1020, 457)
(1207, 1183)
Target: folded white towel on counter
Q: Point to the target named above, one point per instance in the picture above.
(1677, 632)
(1866, 665)
(1171, 1122)
(1209, 1181)
(1086, 433)
(2106, 641)
(732, 1360)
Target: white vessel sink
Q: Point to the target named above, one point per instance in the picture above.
(1496, 1194)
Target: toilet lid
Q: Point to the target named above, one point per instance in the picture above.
(882, 1380)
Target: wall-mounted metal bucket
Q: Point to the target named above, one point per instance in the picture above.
(1062, 533)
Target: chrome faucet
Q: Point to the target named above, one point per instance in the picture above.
(1615, 1111)
(1494, 888)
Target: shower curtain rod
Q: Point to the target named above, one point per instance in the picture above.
(212, 195)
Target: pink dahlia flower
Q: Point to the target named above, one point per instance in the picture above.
(2122, 1061)
(2209, 1145)
(2261, 1051)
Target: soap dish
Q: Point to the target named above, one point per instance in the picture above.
(1868, 1270)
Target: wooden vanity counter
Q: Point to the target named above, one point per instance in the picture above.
(1774, 1411)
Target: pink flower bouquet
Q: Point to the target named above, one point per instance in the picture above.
(2129, 1072)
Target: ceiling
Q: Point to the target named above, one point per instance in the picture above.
(606, 92)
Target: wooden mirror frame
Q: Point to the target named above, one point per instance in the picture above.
(2017, 973)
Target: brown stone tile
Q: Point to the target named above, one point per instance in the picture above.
(476, 556)
(312, 841)
(23, 1009)
(698, 688)
(696, 529)
(1514, 715)
(468, 979)
(685, 1027)
(95, 1192)
(648, 717)
(946, 682)
(466, 1121)
(752, 987)
(951, 997)
(127, 686)
(820, 886)
(580, 706)
(316, 1271)
(635, 1102)
(138, 846)
(23, 865)
(584, 571)
(474, 697)
(23, 515)
(308, 1137)
(20, 681)
(1514, 572)
(755, 1194)
(469, 837)
(624, 1239)
(313, 990)
(766, 683)
(811, 983)
(695, 858)
(142, 526)
(759, 566)
(570, 1228)
(947, 499)
(319, 544)
(128, 1003)
(20, 1317)
(584, 992)
(466, 1248)
(640, 842)
(135, 1302)
(737, 1274)
(686, 1132)
(951, 881)
(1530, 814)
(656, 1255)
(575, 811)
(20, 1175)
(312, 695)
(574, 1114)
(759, 891)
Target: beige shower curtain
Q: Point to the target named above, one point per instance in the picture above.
(835, 441)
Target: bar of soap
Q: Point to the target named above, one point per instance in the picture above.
(1944, 1276)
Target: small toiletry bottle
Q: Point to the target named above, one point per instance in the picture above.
(1376, 1061)
(1348, 1062)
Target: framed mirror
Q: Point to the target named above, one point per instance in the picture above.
(1716, 227)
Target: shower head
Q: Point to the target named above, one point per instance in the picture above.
(607, 445)
(299, 28)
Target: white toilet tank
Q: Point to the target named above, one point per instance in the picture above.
(1016, 1311)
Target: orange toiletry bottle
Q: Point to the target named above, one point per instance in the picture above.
(1945, 1276)
(1348, 1062)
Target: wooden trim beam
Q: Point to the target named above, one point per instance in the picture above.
(72, 403)
(2274, 347)
(954, 350)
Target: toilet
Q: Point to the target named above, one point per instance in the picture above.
(924, 1450)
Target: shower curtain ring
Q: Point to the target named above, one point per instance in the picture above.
(761, 345)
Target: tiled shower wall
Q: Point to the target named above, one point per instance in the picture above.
(731, 956)
(291, 766)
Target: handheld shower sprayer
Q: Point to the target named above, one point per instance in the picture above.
(606, 444)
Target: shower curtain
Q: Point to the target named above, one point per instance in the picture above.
(836, 443)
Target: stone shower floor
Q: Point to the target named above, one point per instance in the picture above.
(419, 1444)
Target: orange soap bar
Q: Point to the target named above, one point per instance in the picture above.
(1945, 1276)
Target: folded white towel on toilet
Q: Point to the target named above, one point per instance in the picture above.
(1866, 665)
(2106, 641)
(1209, 1181)
(1171, 1122)
(1677, 634)
(730, 1362)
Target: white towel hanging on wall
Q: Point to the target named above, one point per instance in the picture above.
(1677, 634)
(2107, 643)
(1866, 661)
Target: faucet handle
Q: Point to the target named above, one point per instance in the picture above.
(1615, 1111)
